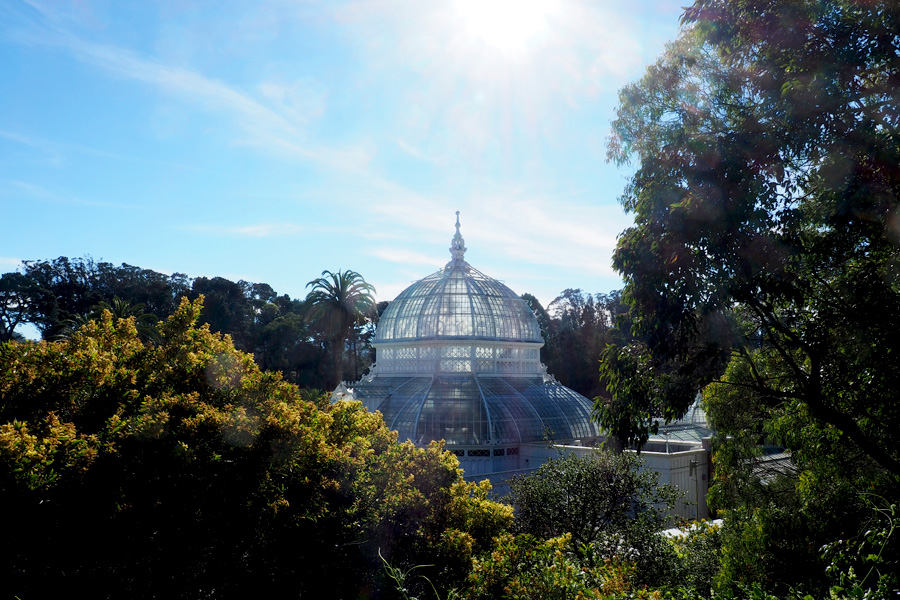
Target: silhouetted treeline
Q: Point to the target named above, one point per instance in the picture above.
(576, 327)
(58, 296)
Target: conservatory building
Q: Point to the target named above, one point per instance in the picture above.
(458, 359)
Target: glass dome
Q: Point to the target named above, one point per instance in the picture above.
(458, 302)
(458, 359)
(474, 410)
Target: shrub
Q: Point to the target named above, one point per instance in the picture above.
(180, 470)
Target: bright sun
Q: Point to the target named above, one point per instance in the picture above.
(508, 25)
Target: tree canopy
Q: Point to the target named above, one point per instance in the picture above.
(289, 335)
(17, 294)
(576, 327)
(339, 301)
(179, 469)
(766, 206)
(763, 267)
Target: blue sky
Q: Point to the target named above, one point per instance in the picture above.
(268, 141)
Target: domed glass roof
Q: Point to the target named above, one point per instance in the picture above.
(458, 302)
(473, 409)
(458, 359)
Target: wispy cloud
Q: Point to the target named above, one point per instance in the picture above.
(274, 120)
(22, 139)
(389, 291)
(7, 261)
(12, 187)
(263, 230)
(420, 154)
(519, 225)
(53, 155)
(407, 257)
(405, 87)
(57, 150)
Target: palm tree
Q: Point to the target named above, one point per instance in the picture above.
(337, 302)
(144, 322)
(68, 327)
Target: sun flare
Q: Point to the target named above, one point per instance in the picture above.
(510, 26)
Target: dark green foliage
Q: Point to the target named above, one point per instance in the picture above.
(341, 303)
(61, 295)
(285, 344)
(868, 563)
(765, 206)
(607, 501)
(227, 309)
(17, 295)
(576, 327)
(765, 257)
(581, 327)
(68, 288)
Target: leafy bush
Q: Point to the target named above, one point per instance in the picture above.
(606, 501)
(523, 567)
(696, 561)
(180, 470)
(868, 565)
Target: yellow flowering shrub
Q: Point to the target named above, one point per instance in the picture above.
(179, 469)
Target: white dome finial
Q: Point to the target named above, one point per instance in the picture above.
(458, 244)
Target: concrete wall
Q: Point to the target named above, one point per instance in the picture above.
(689, 472)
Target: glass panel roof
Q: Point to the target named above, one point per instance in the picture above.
(470, 410)
(458, 308)
(458, 302)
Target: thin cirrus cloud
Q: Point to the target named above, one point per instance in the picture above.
(52, 154)
(57, 153)
(264, 230)
(398, 112)
(513, 224)
(8, 261)
(274, 122)
(42, 193)
(407, 257)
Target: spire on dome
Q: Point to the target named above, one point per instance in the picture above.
(458, 244)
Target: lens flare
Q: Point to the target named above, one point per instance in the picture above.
(511, 26)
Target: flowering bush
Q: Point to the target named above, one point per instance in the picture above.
(178, 469)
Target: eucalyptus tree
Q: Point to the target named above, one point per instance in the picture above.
(337, 302)
(765, 258)
(17, 294)
(61, 289)
(766, 201)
